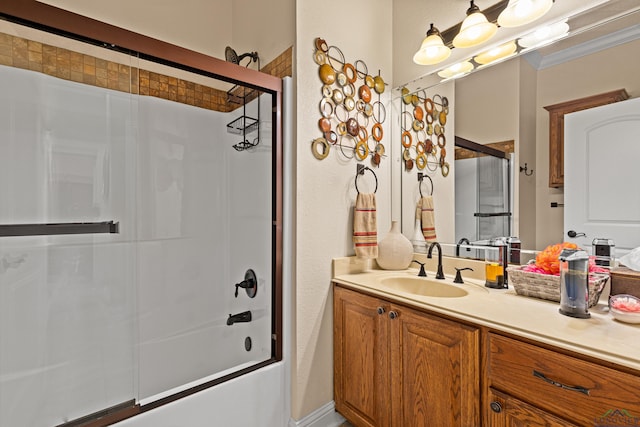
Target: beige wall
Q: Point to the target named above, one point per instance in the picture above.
(603, 71)
(525, 224)
(206, 26)
(487, 104)
(325, 189)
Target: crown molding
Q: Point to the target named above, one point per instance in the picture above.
(540, 62)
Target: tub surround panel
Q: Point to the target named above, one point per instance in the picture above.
(205, 218)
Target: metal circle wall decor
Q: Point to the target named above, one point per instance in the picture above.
(351, 119)
(422, 120)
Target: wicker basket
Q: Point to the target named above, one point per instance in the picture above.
(545, 286)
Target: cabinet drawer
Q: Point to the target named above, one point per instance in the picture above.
(583, 392)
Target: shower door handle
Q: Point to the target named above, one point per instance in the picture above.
(16, 230)
(491, 214)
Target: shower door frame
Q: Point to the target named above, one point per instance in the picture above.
(68, 24)
(493, 152)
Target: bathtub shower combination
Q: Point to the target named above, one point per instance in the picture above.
(136, 245)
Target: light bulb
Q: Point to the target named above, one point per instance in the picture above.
(475, 29)
(432, 50)
(544, 35)
(456, 70)
(522, 12)
(496, 53)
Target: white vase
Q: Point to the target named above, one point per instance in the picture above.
(395, 252)
(418, 241)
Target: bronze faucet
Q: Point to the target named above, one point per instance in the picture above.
(439, 274)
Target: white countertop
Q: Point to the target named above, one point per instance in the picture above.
(600, 336)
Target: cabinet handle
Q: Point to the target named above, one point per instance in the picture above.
(577, 388)
(380, 310)
(393, 314)
(496, 407)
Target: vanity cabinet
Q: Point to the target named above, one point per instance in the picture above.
(534, 386)
(507, 411)
(395, 366)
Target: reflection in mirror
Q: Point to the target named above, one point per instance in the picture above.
(505, 102)
(483, 184)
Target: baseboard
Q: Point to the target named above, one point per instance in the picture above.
(325, 416)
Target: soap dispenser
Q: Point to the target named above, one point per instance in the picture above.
(574, 283)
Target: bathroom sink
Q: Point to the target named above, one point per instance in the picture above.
(423, 286)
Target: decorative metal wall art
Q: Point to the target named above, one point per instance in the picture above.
(422, 123)
(351, 113)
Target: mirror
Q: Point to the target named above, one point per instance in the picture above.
(505, 102)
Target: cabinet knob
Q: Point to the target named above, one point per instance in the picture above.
(393, 314)
(380, 310)
(496, 407)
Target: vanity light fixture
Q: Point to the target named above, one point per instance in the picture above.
(497, 53)
(544, 35)
(475, 29)
(522, 12)
(432, 50)
(456, 70)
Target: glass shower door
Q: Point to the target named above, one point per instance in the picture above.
(483, 194)
(67, 279)
(493, 214)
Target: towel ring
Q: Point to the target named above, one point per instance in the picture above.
(420, 180)
(360, 171)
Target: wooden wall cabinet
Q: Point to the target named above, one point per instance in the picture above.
(556, 128)
(396, 367)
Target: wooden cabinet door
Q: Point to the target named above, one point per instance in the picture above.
(361, 358)
(506, 411)
(435, 371)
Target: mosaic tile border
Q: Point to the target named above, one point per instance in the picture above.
(69, 65)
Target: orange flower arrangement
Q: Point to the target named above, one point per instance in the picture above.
(548, 261)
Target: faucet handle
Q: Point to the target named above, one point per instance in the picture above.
(458, 278)
(421, 273)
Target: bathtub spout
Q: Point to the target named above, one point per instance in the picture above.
(245, 316)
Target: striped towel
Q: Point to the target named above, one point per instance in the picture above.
(365, 228)
(427, 218)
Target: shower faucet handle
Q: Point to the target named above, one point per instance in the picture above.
(249, 284)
